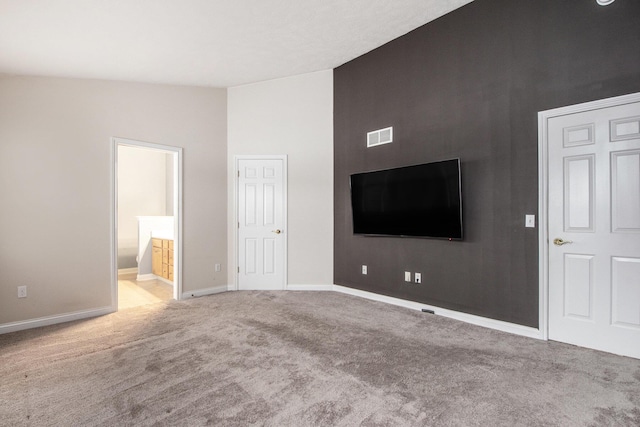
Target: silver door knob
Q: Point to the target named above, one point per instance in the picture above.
(276, 231)
(559, 242)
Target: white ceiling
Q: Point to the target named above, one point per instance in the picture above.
(218, 43)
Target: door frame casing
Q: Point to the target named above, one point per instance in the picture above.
(236, 178)
(543, 192)
(177, 211)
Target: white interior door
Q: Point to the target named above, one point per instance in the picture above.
(261, 223)
(594, 228)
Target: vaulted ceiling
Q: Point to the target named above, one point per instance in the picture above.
(219, 43)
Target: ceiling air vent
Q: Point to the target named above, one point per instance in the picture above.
(379, 137)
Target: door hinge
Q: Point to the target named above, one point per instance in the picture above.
(238, 174)
(238, 224)
(238, 269)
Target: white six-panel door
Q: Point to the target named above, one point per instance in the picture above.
(594, 228)
(261, 224)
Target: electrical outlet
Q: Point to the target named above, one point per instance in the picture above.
(218, 268)
(22, 291)
(407, 276)
(418, 277)
(364, 269)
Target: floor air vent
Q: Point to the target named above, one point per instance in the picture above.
(379, 137)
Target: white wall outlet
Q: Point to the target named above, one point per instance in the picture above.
(22, 291)
(218, 267)
(418, 277)
(364, 269)
(530, 221)
(407, 276)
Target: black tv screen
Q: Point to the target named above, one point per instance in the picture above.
(418, 201)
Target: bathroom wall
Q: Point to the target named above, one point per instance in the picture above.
(144, 189)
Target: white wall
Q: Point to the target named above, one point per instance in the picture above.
(142, 191)
(55, 180)
(292, 116)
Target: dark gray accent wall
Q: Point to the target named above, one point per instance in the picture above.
(470, 85)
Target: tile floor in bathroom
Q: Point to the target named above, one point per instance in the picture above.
(132, 293)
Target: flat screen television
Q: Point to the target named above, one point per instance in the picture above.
(415, 201)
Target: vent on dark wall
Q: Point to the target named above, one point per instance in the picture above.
(379, 137)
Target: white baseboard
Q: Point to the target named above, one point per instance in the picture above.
(464, 317)
(203, 292)
(131, 270)
(147, 277)
(53, 320)
(292, 287)
(167, 281)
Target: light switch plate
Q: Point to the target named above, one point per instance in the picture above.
(364, 269)
(407, 276)
(530, 221)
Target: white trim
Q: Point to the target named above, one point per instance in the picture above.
(234, 275)
(498, 325)
(543, 229)
(53, 320)
(130, 270)
(204, 292)
(178, 217)
(113, 211)
(151, 276)
(543, 192)
(177, 212)
(412, 305)
(167, 281)
(236, 168)
(292, 287)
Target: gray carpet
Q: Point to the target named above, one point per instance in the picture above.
(303, 359)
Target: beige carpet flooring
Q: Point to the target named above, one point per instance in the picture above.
(303, 359)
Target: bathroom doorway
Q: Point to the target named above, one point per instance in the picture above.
(146, 223)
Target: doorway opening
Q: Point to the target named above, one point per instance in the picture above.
(146, 223)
